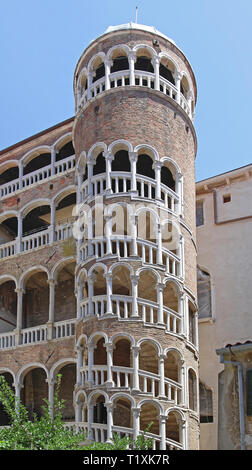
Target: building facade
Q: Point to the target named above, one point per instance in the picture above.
(98, 248)
(224, 234)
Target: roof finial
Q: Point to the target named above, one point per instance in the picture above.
(136, 14)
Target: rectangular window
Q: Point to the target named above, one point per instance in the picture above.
(226, 198)
(199, 213)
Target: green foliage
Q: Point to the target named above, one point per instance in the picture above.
(46, 433)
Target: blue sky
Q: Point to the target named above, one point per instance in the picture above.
(41, 41)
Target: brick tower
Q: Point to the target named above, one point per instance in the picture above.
(135, 276)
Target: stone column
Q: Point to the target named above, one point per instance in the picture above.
(109, 407)
(107, 65)
(109, 294)
(134, 284)
(109, 157)
(79, 365)
(78, 294)
(90, 421)
(18, 386)
(178, 78)
(19, 233)
(136, 422)
(133, 161)
(162, 424)
(91, 348)
(157, 165)
(20, 293)
(89, 84)
(53, 160)
(159, 244)
(160, 288)
(21, 172)
(108, 219)
(51, 382)
(155, 63)
(50, 322)
(133, 219)
(52, 225)
(182, 382)
(90, 170)
(189, 98)
(109, 348)
(135, 350)
(162, 376)
(132, 59)
(178, 184)
(90, 295)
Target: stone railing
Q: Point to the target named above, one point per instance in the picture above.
(38, 176)
(121, 184)
(141, 78)
(37, 334)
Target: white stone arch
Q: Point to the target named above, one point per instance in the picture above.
(153, 271)
(6, 370)
(148, 150)
(63, 193)
(120, 144)
(189, 367)
(8, 277)
(97, 392)
(190, 87)
(59, 265)
(151, 401)
(151, 210)
(122, 335)
(147, 339)
(124, 47)
(32, 270)
(100, 55)
(27, 368)
(176, 283)
(81, 337)
(150, 49)
(173, 165)
(35, 152)
(78, 395)
(95, 150)
(165, 55)
(59, 365)
(175, 409)
(176, 351)
(33, 204)
(99, 334)
(123, 395)
(82, 161)
(83, 73)
(82, 272)
(8, 215)
(121, 263)
(62, 140)
(8, 164)
(96, 265)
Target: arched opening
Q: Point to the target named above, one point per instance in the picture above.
(100, 165)
(147, 230)
(66, 151)
(122, 358)
(144, 61)
(68, 381)
(8, 306)
(192, 387)
(170, 241)
(100, 285)
(37, 162)
(184, 86)
(100, 353)
(172, 366)
(8, 233)
(82, 408)
(167, 177)
(65, 299)
(4, 417)
(122, 415)
(35, 300)
(148, 362)
(36, 220)
(170, 296)
(64, 209)
(147, 285)
(121, 162)
(10, 174)
(149, 414)
(98, 69)
(144, 166)
(100, 410)
(192, 323)
(121, 282)
(173, 427)
(167, 70)
(34, 392)
(120, 61)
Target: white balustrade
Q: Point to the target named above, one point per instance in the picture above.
(76, 427)
(63, 329)
(8, 249)
(35, 334)
(142, 78)
(38, 176)
(7, 340)
(36, 240)
(63, 232)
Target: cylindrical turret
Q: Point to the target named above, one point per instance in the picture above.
(135, 146)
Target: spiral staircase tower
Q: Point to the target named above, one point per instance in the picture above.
(135, 145)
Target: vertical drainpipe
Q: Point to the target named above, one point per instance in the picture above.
(241, 400)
